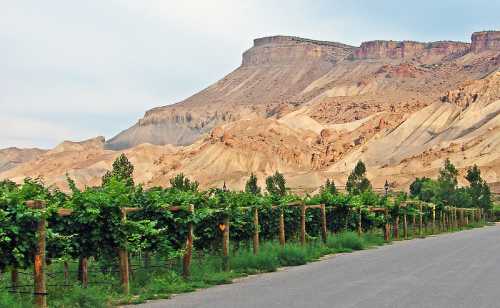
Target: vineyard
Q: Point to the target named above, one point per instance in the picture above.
(120, 237)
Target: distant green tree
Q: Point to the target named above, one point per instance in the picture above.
(447, 182)
(357, 181)
(181, 182)
(122, 170)
(251, 185)
(424, 189)
(276, 184)
(329, 187)
(478, 189)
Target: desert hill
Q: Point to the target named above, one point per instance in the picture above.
(311, 109)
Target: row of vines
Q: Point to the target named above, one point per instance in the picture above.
(90, 223)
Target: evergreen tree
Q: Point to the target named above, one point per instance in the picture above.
(122, 170)
(424, 189)
(251, 185)
(357, 181)
(276, 184)
(478, 189)
(329, 187)
(447, 182)
(181, 182)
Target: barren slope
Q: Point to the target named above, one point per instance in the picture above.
(312, 109)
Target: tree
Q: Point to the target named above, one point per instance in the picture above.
(424, 189)
(357, 181)
(251, 185)
(181, 182)
(329, 187)
(478, 189)
(122, 170)
(447, 182)
(276, 184)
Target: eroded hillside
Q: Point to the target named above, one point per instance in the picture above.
(311, 109)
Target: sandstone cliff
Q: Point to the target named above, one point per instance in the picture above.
(311, 109)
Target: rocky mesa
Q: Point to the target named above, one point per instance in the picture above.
(311, 109)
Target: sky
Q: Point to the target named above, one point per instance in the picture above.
(72, 70)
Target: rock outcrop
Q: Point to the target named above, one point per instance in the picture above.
(280, 73)
(485, 40)
(310, 109)
(287, 50)
(410, 50)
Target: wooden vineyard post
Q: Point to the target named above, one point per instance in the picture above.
(467, 218)
(413, 223)
(84, 271)
(186, 260)
(225, 243)
(66, 273)
(303, 224)
(124, 266)
(433, 219)
(405, 226)
(455, 221)
(396, 228)
(282, 227)
(14, 278)
(461, 218)
(255, 231)
(360, 227)
(39, 264)
(420, 220)
(387, 229)
(324, 231)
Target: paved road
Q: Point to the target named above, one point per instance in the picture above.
(451, 270)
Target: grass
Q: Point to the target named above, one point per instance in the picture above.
(163, 278)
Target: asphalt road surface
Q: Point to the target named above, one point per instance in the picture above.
(451, 270)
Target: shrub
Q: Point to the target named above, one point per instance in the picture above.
(346, 240)
(292, 254)
(245, 261)
(12, 301)
(78, 297)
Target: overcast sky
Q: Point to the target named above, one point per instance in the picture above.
(71, 70)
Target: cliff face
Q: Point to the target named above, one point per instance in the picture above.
(287, 50)
(279, 74)
(486, 40)
(310, 109)
(410, 50)
(273, 72)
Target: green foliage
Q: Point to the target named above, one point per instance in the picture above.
(444, 191)
(182, 183)
(447, 182)
(276, 184)
(78, 297)
(18, 222)
(247, 262)
(424, 189)
(292, 255)
(251, 185)
(346, 241)
(329, 187)
(122, 170)
(357, 181)
(478, 190)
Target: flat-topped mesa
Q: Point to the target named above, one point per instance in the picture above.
(291, 50)
(410, 50)
(485, 40)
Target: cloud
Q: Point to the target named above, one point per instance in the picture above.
(20, 131)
